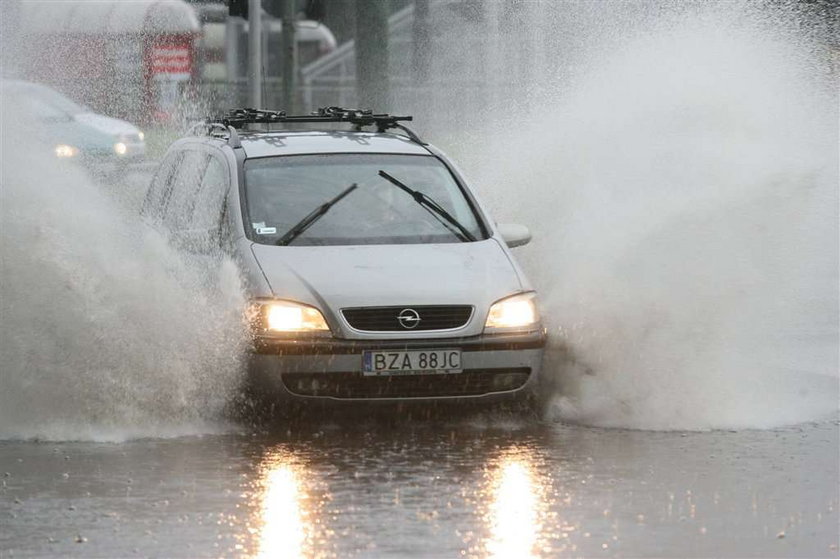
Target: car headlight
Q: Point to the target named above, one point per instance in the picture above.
(280, 317)
(140, 135)
(64, 151)
(120, 148)
(513, 313)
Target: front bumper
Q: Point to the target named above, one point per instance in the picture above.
(495, 367)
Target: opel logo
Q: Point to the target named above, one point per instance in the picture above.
(408, 318)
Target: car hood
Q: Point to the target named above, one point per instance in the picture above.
(337, 277)
(107, 125)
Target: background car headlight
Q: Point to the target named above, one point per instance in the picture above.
(63, 151)
(517, 312)
(286, 317)
(141, 135)
(120, 148)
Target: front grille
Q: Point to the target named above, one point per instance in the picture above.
(386, 319)
(471, 382)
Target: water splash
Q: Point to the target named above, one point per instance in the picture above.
(106, 332)
(681, 180)
(683, 189)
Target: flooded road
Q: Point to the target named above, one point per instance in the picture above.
(678, 169)
(474, 487)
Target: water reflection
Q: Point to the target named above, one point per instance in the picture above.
(284, 528)
(516, 506)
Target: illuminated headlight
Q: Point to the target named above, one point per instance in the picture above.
(269, 317)
(63, 151)
(517, 312)
(141, 135)
(120, 148)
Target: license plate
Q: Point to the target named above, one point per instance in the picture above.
(421, 362)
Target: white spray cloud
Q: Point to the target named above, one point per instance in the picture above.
(684, 195)
(106, 332)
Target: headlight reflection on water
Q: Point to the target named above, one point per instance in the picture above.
(283, 532)
(283, 524)
(515, 510)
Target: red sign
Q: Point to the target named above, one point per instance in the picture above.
(171, 59)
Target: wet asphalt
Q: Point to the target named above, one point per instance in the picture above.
(470, 486)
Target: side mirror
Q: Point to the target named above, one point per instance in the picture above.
(514, 235)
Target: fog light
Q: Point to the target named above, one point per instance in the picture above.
(508, 381)
(308, 386)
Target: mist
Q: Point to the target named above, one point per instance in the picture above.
(107, 333)
(682, 187)
(677, 163)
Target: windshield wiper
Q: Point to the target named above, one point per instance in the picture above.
(314, 216)
(433, 208)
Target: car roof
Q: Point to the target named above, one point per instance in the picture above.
(21, 85)
(267, 144)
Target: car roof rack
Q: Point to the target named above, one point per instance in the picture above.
(237, 119)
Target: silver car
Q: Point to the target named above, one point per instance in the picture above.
(373, 272)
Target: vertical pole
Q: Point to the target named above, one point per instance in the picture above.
(233, 70)
(420, 93)
(255, 54)
(372, 87)
(290, 57)
(421, 42)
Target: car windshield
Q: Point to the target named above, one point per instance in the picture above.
(282, 191)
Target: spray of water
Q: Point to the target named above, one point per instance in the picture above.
(106, 332)
(683, 189)
(681, 181)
